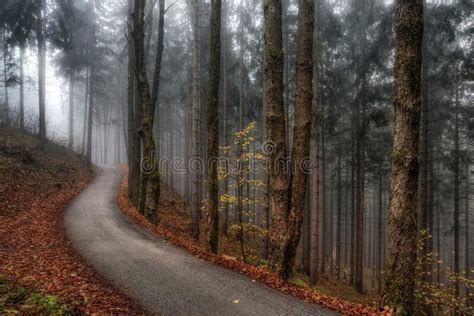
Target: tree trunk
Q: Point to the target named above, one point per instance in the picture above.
(84, 124)
(225, 222)
(150, 172)
(196, 173)
(159, 56)
(456, 193)
(144, 180)
(22, 88)
(71, 110)
(315, 116)
(41, 74)
(360, 208)
(302, 129)
(323, 210)
(213, 125)
(287, 218)
(467, 244)
(90, 111)
(275, 144)
(241, 67)
(399, 287)
(353, 214)
(6, 114)
(380, 231)
(423, 196)
(134, 146)
(338, 218)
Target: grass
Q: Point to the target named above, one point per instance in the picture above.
(16, 299)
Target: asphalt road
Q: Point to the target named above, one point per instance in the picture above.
(165, 279)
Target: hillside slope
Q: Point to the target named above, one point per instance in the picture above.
(35, 254)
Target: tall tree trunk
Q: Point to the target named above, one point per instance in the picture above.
(423, 196)
(399, 287)
(213, 125)
(286, 69)
(225, 222)
(302, 130)
(134, 146)
(6, 110)
(159, 56)
(90, 111)
(275, 145)
(338, 218)
(84, 122)
(315, 116)
(241, 66)
(196, 78)
(41, 74)
(467, 244)
(306, 233)
(71, 110)
(353, 214)
(324, 222)
(360, 208)
(380, 230)
(145, 179)
(287, 219)
(150, 172)
(22, 87)
(456, 192)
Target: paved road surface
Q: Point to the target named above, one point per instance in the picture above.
(165, 279)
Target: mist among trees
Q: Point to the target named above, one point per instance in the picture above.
(330, 142)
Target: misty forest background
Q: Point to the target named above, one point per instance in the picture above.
(86, 48)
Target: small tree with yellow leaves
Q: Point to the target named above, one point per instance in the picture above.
(440, 296)
(240, 162)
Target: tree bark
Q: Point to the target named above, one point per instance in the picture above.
(225, 221)
(90, 112)
(302, 129)
(41, 74)
(353, 214)
(276, 133)
(213, 125)
(380, 230)
(6, 110)
(22, 88)
(288, 217)
(71, 110)
(150, 172)
(134, 145)
(315, 116)
(423, 186)
(360, 207)
(467, 244)
(338, 217)
(323, 210)
(399, 287)
(196, 78)
(84, 122)
(456, 192)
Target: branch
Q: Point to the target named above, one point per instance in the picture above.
(169, 7)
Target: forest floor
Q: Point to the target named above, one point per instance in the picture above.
(175, 227)
(40, 273)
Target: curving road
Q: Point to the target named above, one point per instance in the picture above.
(166, 280)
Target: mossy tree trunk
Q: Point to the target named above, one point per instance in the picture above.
(399, 287)
(149, 165)
(287, 209)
